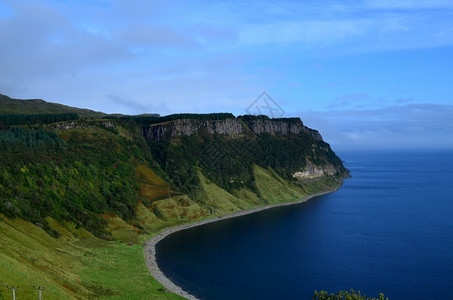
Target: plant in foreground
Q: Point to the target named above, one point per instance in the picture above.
(344, 295)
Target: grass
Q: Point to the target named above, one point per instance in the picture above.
(118, 271)
(80, 266)
(72, 268)
(29, 256)
(220, 201)
(152, 186)
(275, 189)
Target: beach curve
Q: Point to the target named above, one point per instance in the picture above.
(149, 249)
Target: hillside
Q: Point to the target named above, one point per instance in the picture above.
(36, 106)
(74, 192)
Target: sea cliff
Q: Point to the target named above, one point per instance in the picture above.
(228, 127)
(78, 178)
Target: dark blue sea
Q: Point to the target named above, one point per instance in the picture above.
(388, 229)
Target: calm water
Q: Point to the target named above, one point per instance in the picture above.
(388, 229)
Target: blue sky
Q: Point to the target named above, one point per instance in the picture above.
(370, 74)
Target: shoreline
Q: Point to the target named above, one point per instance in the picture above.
(149, 248)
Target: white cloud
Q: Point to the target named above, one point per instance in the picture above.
(140, 34)
(408, 4)
(307, 32)
(40, 43)
(420, 126)
(352, 27)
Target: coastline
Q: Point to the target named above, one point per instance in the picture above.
(149, 249)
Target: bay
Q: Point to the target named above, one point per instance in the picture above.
(388, 229)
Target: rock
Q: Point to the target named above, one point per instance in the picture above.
(312, 171)
(228, 127)
(66, 125)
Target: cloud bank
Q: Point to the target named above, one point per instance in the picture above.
(417, 126)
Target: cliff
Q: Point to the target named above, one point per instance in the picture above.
(172, 129)
(226, 150)
(228, 127)
(76, 170)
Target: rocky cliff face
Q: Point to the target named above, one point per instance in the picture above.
(237, 126)
(66, 125)
(312, 171)
(282, 127)
(171, 129)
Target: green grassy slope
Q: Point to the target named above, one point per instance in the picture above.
(72, 267)
(36, 106)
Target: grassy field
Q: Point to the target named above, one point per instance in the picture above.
(76, 266)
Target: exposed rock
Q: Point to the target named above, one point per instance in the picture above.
(175, 128)
(81, 124)
(314, 133)
(312, 171)
(282, 127)
(171, 129)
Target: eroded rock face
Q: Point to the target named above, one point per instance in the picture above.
(176, 128)
(282, 127)
(312, 171)
(171, 129)
(81, 124)
(314, 133)
(272, 127)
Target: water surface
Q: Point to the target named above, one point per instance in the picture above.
(388, 229)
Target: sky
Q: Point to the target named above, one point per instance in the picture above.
(370, 74)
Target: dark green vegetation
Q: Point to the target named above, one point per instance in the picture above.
(344, 295)
(264, 117)
(21, 140)
(72, 179)
(229, 162)
(154, 119)
(37, 106)
(24, 119)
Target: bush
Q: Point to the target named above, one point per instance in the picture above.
(344, 295)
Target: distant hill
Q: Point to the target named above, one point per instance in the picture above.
(37, 106)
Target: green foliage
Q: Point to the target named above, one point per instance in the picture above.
(212, 116)
(89, 172)
(147, 120)
(26, 119)
(253, 117)
(229, 162)
(18, 139)
(247, 118)
(344, 295)
(142, 120)
(289, 120)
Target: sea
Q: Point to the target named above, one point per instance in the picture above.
(388, 229)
